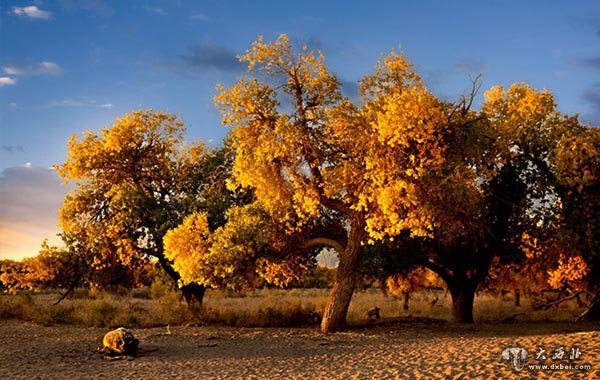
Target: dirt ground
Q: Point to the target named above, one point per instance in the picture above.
(393, 350)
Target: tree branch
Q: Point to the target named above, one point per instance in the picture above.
(336, 205)
(322, 241)
(440, 270)
(548, 305)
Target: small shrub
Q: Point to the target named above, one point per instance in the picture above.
(128, 319)
(48, 315)
(94, 293)
(168, 310)
(61, 313)
(20, 306)
(80, 293)
(160, 288)
(97, 313)
(141, 293)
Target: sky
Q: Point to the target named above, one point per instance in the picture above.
(67, 66)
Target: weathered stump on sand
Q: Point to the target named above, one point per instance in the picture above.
(120, 342)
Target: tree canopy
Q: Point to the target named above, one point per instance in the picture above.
(309, 153)
(135, 181)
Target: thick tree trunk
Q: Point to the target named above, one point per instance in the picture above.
(592, 312)
(406, 296)
(334, 316)
(579, 301)
(193, 293)
(463, 295)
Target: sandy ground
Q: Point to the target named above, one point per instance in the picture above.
(383, 351)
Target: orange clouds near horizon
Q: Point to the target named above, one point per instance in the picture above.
(30, 197)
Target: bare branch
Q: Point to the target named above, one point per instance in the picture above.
(438, 269)
(548, 305)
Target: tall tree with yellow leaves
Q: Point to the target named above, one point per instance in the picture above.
(494, 186)
(577, 163)
(308, 153)
(135, 181)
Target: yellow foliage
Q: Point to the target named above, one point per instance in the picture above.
(413, 280)
(571, 270)
(125, 176)
(522, 114)
(531, 246)
(327, 152)
(578, 159)
(187, 246)
(234, 254)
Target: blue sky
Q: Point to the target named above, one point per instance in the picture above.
(71, 65)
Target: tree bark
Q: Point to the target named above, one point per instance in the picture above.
(334, 316)
(517, 297)
(193, 293)
(463, 295)
(592, 312)
(406, 297)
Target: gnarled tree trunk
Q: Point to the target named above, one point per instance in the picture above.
(334, 316)
(193, 293)
(592, 312)
(463, 295)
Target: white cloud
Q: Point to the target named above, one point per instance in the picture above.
(32, 11)
(42, 68)
(77, 102)
(199, 16)
(7, 81)
(11, 70)
(49, 68)
(68, 102)
(157, 10)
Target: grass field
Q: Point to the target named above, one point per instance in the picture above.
(228, 338)
(260, 308)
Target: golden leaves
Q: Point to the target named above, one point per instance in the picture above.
(571, 270)
(406, 142)
(524, 118)
(231, 255)
(277, 153)
(138, 140)
(130, 178)
(411, 281)
(370, 159)
(521, 105)
(578, 159)
(272, 55)
(187, 245)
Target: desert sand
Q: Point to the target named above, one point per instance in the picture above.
(393, 350)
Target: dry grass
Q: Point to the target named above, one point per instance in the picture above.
(260, 308)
